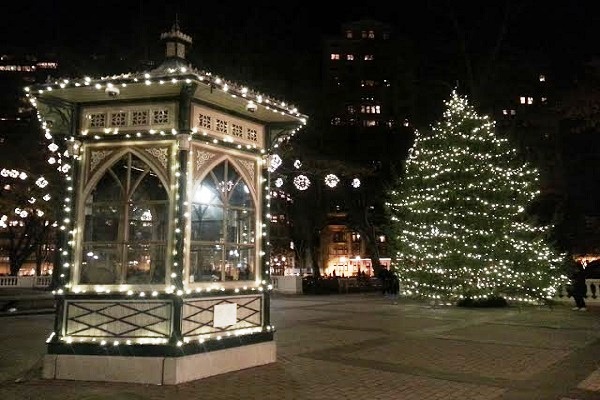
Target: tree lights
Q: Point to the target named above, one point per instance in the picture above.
(459, 216)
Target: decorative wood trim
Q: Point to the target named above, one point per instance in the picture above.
(249, 165)
(201, 157)
(161, 154)
(96, 157)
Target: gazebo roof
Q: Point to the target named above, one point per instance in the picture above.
(210, 89)
(166, 81)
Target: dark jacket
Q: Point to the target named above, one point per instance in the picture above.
(578, 281)
(394, 284)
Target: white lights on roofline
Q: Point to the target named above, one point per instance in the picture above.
(109, 85)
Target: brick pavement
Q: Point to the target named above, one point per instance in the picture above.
(358, 346)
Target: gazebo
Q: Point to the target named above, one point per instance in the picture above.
(163, 272)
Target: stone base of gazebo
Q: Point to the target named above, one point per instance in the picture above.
(158, 370)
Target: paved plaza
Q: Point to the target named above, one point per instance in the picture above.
(360, 346)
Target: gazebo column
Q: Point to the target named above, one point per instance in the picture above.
(181, 219)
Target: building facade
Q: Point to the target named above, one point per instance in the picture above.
(367, 105)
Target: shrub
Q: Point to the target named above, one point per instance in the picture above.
(493, 301)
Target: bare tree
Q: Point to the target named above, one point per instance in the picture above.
(26, 217)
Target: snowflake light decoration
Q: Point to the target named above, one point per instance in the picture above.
(279, 182)
(331, 180)
(41, 182)
(274, 162)
(301, 182)
(297, 164)
(356, 183)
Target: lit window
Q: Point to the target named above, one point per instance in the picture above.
(128, 201)
(335, 56)
(371, 34)
(513, 112)
(505, 112)
(348, 34)
(350, 57)
(523, 99)
(336, 121)
(542, 78)
(370, 123)
(382, 238)
(368, 57)
(355, 236)
(367, 109)
(338, 237)
(47, 65)
(544, 100)
(222, 227)
(530, 100)
(351, 109)
(364, 34)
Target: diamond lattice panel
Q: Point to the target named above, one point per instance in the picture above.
(118, 319)
(198, 315)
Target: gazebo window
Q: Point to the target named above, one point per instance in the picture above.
(125, 228)
(223, 228)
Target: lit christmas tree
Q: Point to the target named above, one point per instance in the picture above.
(459, 216)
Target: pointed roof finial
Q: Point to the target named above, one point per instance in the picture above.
(175, 27)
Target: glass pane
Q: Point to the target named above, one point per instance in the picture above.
(239, 263)
(207, 223)
(110, 187)
(100, 264)
(148, 222)
(206, 263)
(207, 193)
(240, 226)
(247, 267)
(149, 188)
(219, 172)
(240, 196)
(102, 222)
(129, 207)
(145, 263)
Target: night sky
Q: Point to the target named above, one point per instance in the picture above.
(565, 28)
(283, 35)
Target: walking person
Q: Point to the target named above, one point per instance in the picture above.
(384, 278)
(394, 288)
(579, 288)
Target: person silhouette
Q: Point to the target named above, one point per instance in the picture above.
(394, 287)
(579, 288)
